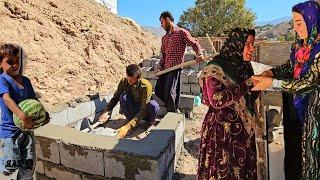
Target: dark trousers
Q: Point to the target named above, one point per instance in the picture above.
(292, 139)
(168, 89)
(131, 108)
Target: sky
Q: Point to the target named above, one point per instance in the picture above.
(147, 12)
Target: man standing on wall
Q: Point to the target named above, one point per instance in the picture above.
(173, 46)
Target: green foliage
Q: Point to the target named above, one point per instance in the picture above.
(281, 38)
(215, 17)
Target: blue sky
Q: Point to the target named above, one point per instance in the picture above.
(146, 12)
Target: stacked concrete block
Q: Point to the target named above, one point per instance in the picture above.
(73, 114)
(77, 155)
(202, 65)
(189, 57)
(189, 81)
(185, 88)
(273, 54)
(154, 62)
(146, 63)
(185, 105)
(184, 78)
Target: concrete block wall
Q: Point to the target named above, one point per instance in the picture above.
(189, 83)
(189, 76)
(273, 54)
(77, 155)
(185, 106)
(71, 115)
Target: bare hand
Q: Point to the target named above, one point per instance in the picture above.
(267, 73)
(199, 59)
(104, 117)
(254, 82)
(263, 84)
(27, 121)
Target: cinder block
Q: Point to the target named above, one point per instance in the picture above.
(146, 63)
(146, 158)
(193, 79)
(179, 140)
(59, 172)
(82, 159)
(185, 88)
(148, 74)
(154, 62)
(202, 65)
(86, 176)
(59, 118)
(189, 57)
(177, 120)
(47, 149)
(167, 157)
(195, 67)
(144, 73)
(40, 167)
(186, 101)
(168, 175)
(195, 88)
(80, 111)
(114, 168)
(147, 174)
(184, 78)
(39, 176)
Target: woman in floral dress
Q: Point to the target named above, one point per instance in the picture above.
(227, 147)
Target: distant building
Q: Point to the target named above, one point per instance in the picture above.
(109, 4)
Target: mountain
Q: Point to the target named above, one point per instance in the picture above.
(158, 31)
(275, 21)
(270, 31)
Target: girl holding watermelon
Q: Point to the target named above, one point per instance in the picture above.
(17, 142)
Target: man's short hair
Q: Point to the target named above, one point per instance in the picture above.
(166, 14)
(133, 70)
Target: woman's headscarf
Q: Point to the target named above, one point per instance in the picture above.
(231, 61)
(303, 53)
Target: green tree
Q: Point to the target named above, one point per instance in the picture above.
(215, 17)
(281, 38)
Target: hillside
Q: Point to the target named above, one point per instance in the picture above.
(74, 48)
(274, 31)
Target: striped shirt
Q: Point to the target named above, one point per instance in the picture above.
(173, 47)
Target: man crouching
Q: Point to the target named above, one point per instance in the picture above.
(134, 94)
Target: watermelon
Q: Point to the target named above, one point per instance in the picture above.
(34, 108)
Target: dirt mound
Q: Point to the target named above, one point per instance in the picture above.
(74, 47)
